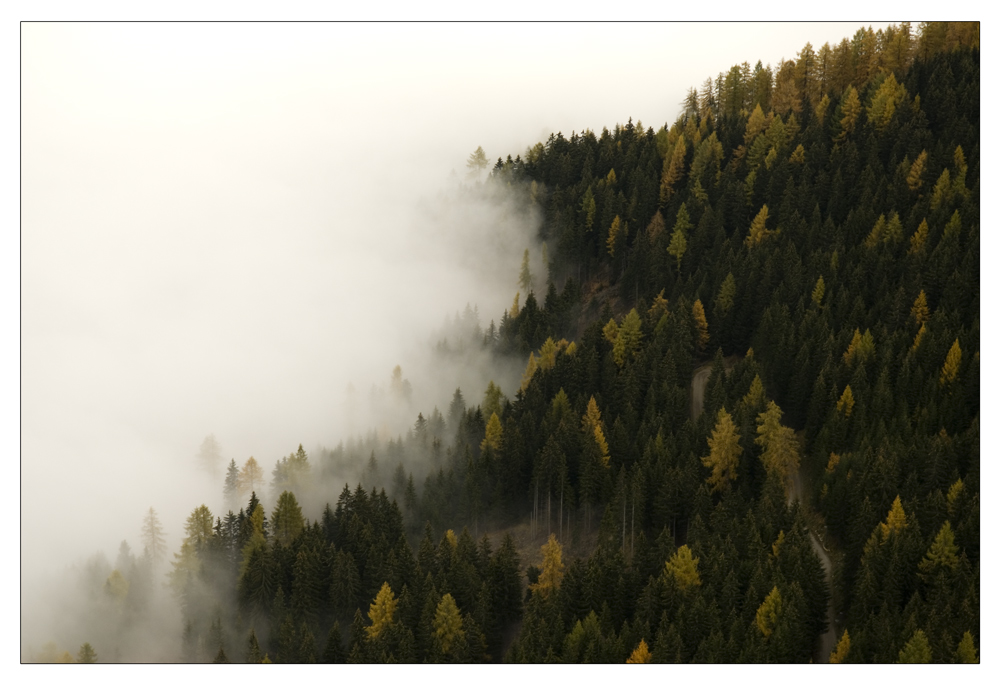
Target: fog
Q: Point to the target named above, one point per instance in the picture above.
(225, 226)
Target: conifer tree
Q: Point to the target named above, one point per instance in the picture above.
(678, 239)
(846, 402)
(615, 232)
(683, 567)
(524, 280)
(640, 655)
(758, 229)
(701, 325)
(895, 521)
(286, 521)
(818, 291)
(769, 612)
(381, 611)
(86, 655)
(231, 489)
(447, 625)
(727, 294)
(942, 555)
(334, 651)
(494, 434)
(628, 338)
(515, 310)
(920, 313)
(850, 108)
(725, 450)
(916, 651)
(918, 241)
(254, 655)
(951, 364)
(781, 454)
(152, 537)
(251, 477)
(843, 649)
(593, 427)
(914, 179)
(552, 568)
(966, 651)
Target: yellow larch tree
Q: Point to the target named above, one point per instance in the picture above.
(768, 612)
(915, 178)
(966, 651)
(380, 611)
(659, 307)
(700, 324)
(551, 576)
(683, 566)
(895, 520)
(818, 292)
(949, 372)
(593, 426)
(629, 336)
(843, 649)
(724, 452)
(640, 655)
(781, 452)
(447, 624)
(850, 109)
(673, 169)
(918, 241)
(529, 371)
(845, 404)
(919, 311)
(758, 229)
(494, 434)
(251, 477)
(613, 231)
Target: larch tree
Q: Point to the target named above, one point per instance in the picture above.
(529, 371)
(515, 309)
(919, 311)
(210, 455)
(683, 566)
(916, 651)
(447, 625)
(769, 612)
(629, 336)
(700, 324)
(231, 488)
(839, 655)
(781, 453)
(758, 229)
(286, 520)
(915, 177)
(593, 428)
(951, 365)
(251, 477)
(724, 452)
(845, 404)
(673, 170)
(640, 655)
(617, 234)
(477, 162)
(494, 434)
(966, 651)
(381, 611)
(552, 572)
(493, 400)
(942, 555)
(818, 292)
(918, 241)
(895, 520)
(678, 239)
(860, 349)
(850, 108)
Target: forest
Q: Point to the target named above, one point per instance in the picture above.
(747, 429)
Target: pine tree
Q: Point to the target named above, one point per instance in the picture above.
(725, 450)
(254, 655)
(919, 312)
(951, 364)
(86, 655)
(231, 489)
(850, 109)
(678, 239)
(916, 651)
(334, 652)
(210, 455)
(593, 427)
(640, 655)
(614, 233)
(628, 338)
(251, 477)
(843, 649)
(727, 295)
(524, 280)
(895, 521)
(152, 537)
(914, 179)
(683, 566)
(942, 555)
(918, 241)
(220, 657)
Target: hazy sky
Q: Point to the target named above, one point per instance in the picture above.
(225, 224)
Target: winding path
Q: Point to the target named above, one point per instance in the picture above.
(828, 640)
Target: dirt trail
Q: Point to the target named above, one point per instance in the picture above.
(828, 640)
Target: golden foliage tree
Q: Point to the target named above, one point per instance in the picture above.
(966, 651)
(754, 399)
(861, 348)
(768, 612)
(659, 306)
(758, 229)
(593, 427)
(918, 241)
(551, 576)
(673, 170)
(494, 434)
(618, 228)
(895, 520)
(626, 342)
(818, 291)
(850, 108)
(919, 311)
(724, 452)
(447, 624)
(251, 477)
(916, 651)
(380, 611)
(915, 178)
(700, 324)
(640, 655)
(846, 402)
(843, 649)
(951, 364)
(515, 309)
(781, 452)
(529, 371)
(683, 566)
(942, 555)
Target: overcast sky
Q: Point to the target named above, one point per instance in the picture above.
(225, 224)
